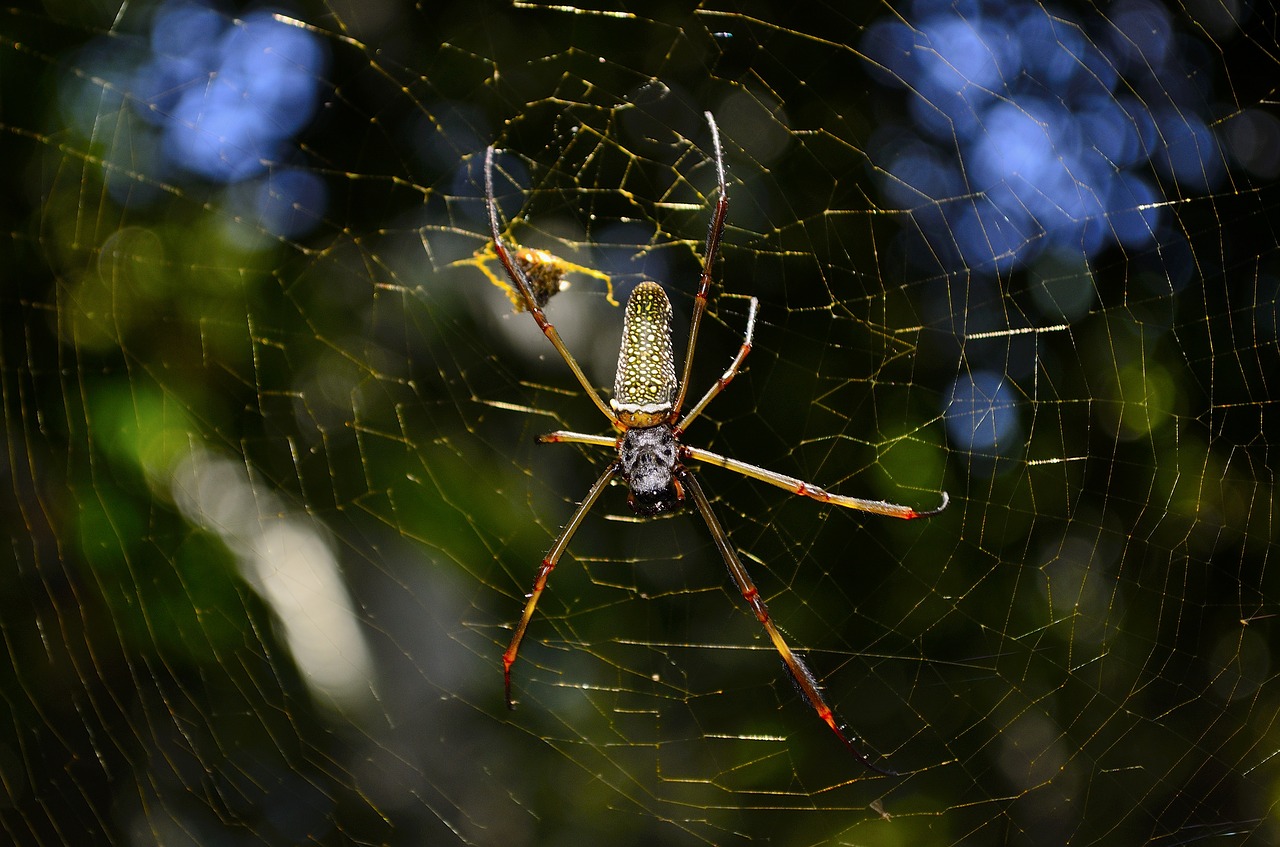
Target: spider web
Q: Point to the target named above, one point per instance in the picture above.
(274, 499)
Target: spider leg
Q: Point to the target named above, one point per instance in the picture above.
(730, 372)
(562, 436)
(805, 489)
(525, 288)
(799, 670)
(548, 565)
(709, 254)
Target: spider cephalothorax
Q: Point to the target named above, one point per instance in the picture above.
(649, 458)
(646, 410)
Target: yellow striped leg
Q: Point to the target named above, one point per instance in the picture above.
(799, 670)
(548, 565)
(804, 489)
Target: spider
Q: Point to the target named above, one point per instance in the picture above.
(646, 416)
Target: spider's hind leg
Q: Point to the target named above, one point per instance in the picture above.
(544, 572)
(800, 672)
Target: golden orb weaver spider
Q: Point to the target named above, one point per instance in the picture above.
(646, 415)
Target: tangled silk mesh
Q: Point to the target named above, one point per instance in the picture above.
(274, 498)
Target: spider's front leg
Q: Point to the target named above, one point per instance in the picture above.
(548, 565)
(525, 289)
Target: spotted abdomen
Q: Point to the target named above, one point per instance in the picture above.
(645, 386)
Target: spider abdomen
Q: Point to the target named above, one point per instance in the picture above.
(649, 458)
(645, 385)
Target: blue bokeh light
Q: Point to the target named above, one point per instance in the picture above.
(982, 413)
(1021, 140)
(205, 96)
(228, 95)
(1142, 33)
(287, 203)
